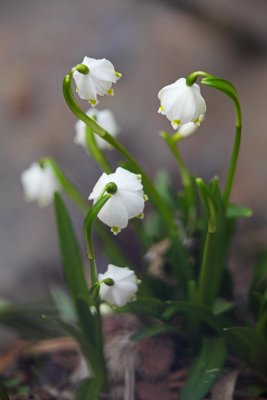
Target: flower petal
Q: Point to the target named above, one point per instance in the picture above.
(134, 203)
(114, 213)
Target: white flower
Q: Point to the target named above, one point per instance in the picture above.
(189, 128)
(123, 288)
(98, 81)
(128, 201)
(181, 103)
(39, 184)
(105, 119)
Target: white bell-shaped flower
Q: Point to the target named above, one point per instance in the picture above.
(104, 118)
(181, 103)
(122, 285)
(39, 184)
(98, 81)
(128, 201)
(189, 128)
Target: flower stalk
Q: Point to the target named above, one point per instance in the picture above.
(88, 227)
(227, 88)
(187, 182)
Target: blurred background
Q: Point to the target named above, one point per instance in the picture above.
(152, 43)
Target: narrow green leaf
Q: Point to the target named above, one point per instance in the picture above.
(249, 344)
(66, 184)
(236, 211)
(205, 369)
(26, 320)
(144, 306)
(70, 253)
(88, 389)
(222, 306)
(153, 331)
(198, 311)
(3, 393)
(87, 320)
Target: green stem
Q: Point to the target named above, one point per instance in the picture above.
(151, 191)
(185, 175)
(191, 79)
(205, 269)
(235, 153)
(227, 88)
(208, 258)
(87, 227)
(66, 184)
(111, 247)
(95, 151)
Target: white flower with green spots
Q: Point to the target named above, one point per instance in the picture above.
(126, 203)
(104, 118)
(39, 184)
(98, 81)
(182, 104)
(121, 285)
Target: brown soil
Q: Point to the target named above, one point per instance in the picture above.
(153, 368)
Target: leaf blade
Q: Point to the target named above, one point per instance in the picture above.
(205, 369)
(70, 252)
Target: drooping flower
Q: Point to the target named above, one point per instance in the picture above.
(122, 285)
(128, 201)
(104, 118)
(39, 184)
(98, 81)
(181, 103)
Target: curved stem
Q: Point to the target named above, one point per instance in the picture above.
(151, 191)
(227, 88)
(111, 247)
(235, 153)
(191, 79)
(87, 228)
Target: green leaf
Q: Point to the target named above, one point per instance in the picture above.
(63, 303)
(217, 247)
(3, 393)
(87, 320)
(196, 310)
(236, 211)
(205, 369)
(153, 331)
(259, 281)
(249, 344)
(88, 389)
(70, 252)
(144, 306)
(163, 186)
(222, 306)
(26, 320)
(66, 184)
